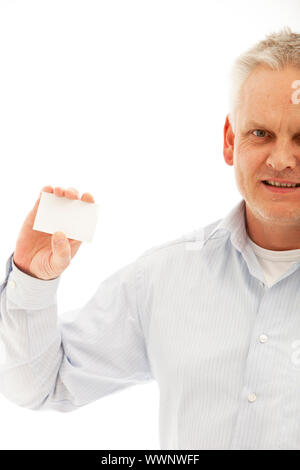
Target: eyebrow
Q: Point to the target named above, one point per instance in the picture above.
(254, 124)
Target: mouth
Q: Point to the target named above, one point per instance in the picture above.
(281, 187)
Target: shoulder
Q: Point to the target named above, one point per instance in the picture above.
(189, 241)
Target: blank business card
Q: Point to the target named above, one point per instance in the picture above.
(76, 218)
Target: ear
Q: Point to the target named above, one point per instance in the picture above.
(228, 142)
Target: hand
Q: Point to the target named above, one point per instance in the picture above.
(37, 253)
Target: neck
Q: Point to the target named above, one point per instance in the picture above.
(271, 236)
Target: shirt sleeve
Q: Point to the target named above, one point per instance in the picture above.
(62, 362)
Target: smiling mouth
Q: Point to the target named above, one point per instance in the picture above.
(281, 185)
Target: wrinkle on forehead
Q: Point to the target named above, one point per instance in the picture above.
(267, 97)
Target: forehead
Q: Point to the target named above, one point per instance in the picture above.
(267, 93)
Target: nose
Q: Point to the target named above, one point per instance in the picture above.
(282, 155)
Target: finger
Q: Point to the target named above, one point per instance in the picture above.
(87, 197)
(58, 191)
(36, 205)
(47, 189)
(61, 250)
(59, 236)
(74, 244)
(72, 193)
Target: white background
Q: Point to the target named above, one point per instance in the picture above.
(126, 100)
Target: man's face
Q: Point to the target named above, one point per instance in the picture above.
(266, 144)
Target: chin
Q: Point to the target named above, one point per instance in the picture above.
(281, 213)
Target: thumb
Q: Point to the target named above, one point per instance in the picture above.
(61, 250)
(32, 214)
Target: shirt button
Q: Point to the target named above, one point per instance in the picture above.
(251, 397)
(11, 283)
(262, 284)
(263, 338)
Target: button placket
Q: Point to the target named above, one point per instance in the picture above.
(255, 377)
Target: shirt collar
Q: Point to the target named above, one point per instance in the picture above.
(234, 223)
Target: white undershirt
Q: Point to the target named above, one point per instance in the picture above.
(274, 263)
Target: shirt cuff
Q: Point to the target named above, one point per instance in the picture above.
(28, 292)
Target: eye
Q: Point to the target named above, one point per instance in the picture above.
(259, 130)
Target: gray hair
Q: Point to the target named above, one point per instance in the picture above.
(277, 51)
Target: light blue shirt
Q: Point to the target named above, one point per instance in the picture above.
(195, 315)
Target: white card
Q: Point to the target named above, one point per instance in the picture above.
(76, 218)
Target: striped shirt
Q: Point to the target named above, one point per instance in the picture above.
(212, 317)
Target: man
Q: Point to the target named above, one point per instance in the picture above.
(213, 316)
